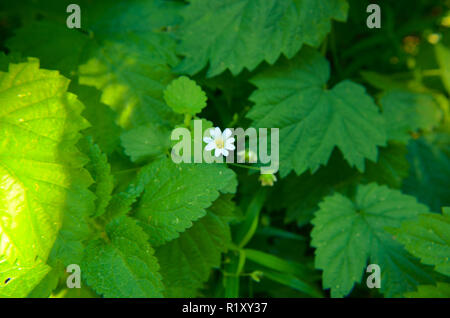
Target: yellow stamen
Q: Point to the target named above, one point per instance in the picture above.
(219, 143)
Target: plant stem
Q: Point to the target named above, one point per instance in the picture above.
(244, 166)
(187, 120)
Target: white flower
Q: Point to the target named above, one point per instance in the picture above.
(221, 142)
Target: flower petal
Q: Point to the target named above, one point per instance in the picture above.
(208, 139)
(210, 132)
(226, 133)
(216, 132)
(225, 152)
(230, 147)
(229, 141)
(217, 152)
(210, 146)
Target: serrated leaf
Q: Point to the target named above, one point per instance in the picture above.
(407, 112)
(104, 130)
(18, 281)
(186, 262)
(440, 290)
(63, 51)
(100, 170)
(238, 34)
(428, 238)
(177, 195)
(13, 57)
(347, 234)
(41, 171)
(313, 120)
(124, 264)
(146, 142)
(184, 96)
(121, 202)
(102, 20)
(132, 77)
(127, 60)
(132, 65)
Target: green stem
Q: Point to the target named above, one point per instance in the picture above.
(436, 72)
(248, 227)
(187, 120)
(244, 166)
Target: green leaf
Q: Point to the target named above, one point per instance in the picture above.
(132, 75)
(292, 282)
(146, 142)
(313, 120)
(278, 264)
(100, 170)
(125, 59)
(247, 228)
(83, 292)
(184, 96)
(407, 112)
(13, 57)
(429, 173)
(131, 66)
(124, 264)
(64, 50)
(238, 34)
(279, 233)
(292, 274)
(177, 195)
(121, 202)
(348, 233)
(47, 284)
(428, 238)
(383, 82)
(310, 188)
(17, 281)
(141, 17)
(441, 290)
(186, 262)
(41, 170)
(101, 20)
(391, 168)
(104, 130)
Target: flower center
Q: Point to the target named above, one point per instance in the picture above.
(219, 143)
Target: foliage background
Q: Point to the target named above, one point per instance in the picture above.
(365, 149)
